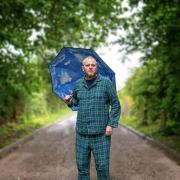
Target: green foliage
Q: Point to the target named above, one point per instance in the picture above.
(153, 23)
(154, 28)
(12, 131)
(17, 82)
(58, 23)
(31, 34)
(151, 99)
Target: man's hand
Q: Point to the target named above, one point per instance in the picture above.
(109, 131)
(68, 99)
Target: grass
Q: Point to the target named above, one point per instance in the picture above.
(152, 130)
(11, 132)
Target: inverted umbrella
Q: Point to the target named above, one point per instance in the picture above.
(66, 69)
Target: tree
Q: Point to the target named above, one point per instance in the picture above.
(155, 29)
(31, 28)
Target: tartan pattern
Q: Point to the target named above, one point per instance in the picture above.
(98, 106)
(99, 145)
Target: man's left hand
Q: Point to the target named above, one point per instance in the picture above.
(109, 131)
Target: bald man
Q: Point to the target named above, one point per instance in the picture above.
(98, 113)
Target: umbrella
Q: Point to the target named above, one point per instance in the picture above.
(66, 69)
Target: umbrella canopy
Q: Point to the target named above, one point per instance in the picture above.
(66, 69)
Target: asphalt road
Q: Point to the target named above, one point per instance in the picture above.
(50, 155)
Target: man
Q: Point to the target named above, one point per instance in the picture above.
(98, 114)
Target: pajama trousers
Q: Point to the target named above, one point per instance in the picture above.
(99, 145)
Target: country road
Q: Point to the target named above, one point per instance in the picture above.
(50, 155)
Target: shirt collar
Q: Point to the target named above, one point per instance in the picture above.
(95, 81)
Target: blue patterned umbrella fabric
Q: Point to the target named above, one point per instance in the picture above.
(66, 69)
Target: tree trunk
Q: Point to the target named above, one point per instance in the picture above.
(14, 116)
(162, 120)
(145, 118)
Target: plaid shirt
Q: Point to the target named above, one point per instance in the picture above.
(98, 106)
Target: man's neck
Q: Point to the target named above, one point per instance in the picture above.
(90, 78)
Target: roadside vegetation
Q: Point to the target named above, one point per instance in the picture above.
(31, 35)
(33, 32)
(153, 102)
(141, 121)
(13, 131)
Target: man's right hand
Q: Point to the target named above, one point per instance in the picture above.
(68, 99)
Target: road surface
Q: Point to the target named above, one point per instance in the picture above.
(50, 155)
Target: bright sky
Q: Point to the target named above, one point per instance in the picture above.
(113, 59)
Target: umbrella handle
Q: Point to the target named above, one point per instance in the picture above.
(68, 98)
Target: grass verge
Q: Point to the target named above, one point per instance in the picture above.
(152, 130)
(11, 132)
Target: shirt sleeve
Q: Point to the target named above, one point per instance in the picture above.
(115, 110)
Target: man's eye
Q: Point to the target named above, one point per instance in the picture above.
(88, 65)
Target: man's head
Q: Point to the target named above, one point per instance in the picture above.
(89, 67)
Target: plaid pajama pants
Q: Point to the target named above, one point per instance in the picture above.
(99, 145)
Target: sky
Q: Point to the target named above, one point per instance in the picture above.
(113, 58)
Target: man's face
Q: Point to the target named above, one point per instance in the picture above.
(90, 67)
